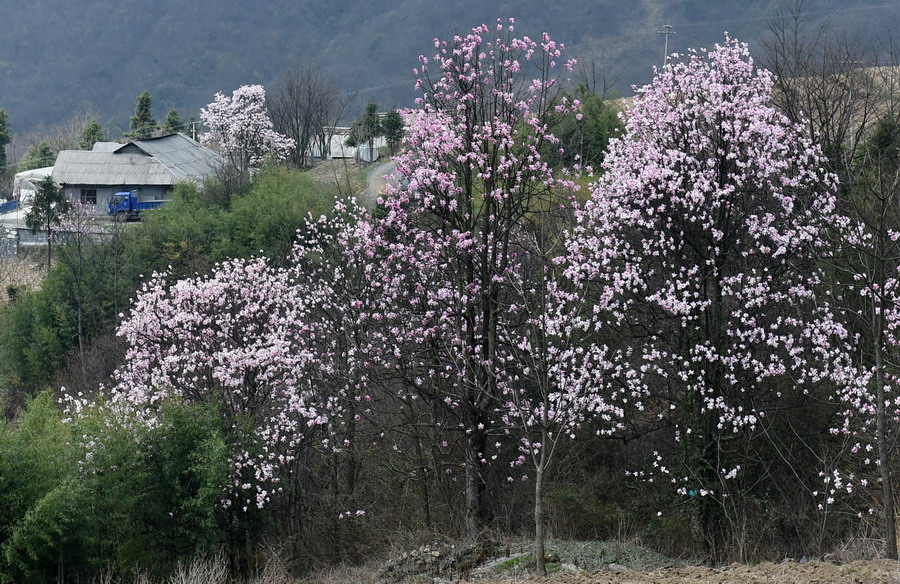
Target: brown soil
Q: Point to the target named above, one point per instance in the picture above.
(859, 572)
(788, 572)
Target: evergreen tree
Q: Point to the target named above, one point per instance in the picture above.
(50, 204)
(4, 137)
(142, 122)
(392, 128)
(173, 123)
(91, 134)
(365, 129)
(37, 156)
(371, 124)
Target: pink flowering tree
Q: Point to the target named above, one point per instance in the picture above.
(699, 249)
(372, 332)
(334, 277)
(472, 175)
(240, 128)
(551, 375)
(240, 339)
(871, 408)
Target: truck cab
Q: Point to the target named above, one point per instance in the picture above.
(126, 206)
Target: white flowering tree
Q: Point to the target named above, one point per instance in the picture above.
(239, 339)
(240, 128)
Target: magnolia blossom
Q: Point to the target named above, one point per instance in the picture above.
(240, 128)
(698, 251)
(240, 338)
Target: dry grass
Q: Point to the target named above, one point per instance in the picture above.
(343, 174)
(343, 575)
(203, 570)
(25, 270)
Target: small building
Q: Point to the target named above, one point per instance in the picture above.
(337, 147)
(25, 183)
(152, 166)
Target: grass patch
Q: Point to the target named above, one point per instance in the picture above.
(524, 564)
(341, 173)
(593, 555)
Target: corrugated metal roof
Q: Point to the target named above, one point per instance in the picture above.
(184, 157)
(156, 161)
(85, 167)
(106, 146)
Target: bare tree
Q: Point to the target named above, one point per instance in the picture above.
(305, 106)
(63, 136)
(821, 82)
(592, 74)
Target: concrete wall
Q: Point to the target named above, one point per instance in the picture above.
(24, 236)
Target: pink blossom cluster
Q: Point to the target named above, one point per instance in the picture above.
(698, 249)
(241, 338)
(686, 296)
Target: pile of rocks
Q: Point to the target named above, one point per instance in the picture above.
(440, 560)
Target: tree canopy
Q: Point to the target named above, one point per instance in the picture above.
(142, 122)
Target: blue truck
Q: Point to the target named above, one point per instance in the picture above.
(126, 206)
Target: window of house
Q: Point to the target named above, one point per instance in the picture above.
(88, 196)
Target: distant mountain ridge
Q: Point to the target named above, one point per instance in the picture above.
(57, 56)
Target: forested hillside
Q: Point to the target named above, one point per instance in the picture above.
(57, 56)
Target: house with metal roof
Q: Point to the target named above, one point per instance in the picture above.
(152, 166)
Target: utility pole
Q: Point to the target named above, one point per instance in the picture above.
(667, 31)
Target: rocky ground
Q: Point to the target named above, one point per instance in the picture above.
(597, 563)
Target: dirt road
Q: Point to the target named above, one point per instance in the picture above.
(376, 179)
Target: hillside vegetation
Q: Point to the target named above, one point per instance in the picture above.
(58, 56)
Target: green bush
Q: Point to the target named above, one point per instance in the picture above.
(42, 502)
(265, 220)
(35, 334)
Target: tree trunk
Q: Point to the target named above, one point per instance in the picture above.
(422, 473)
(711, 511)
(49, 249)
(478, 508)
(540, 555)
(473, 526)
(80, 311)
